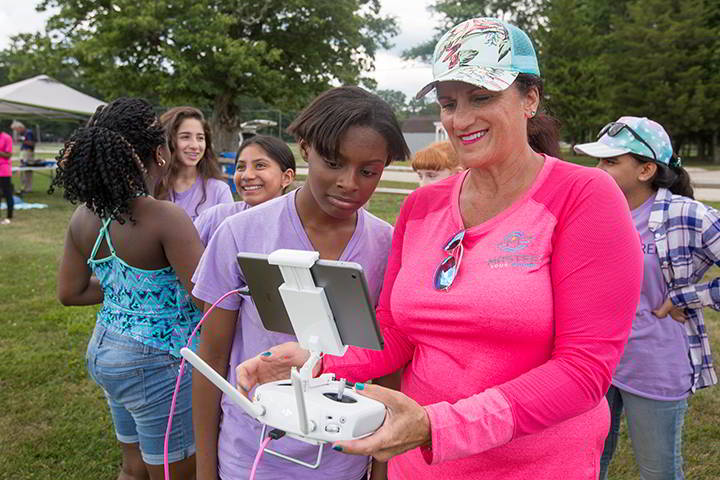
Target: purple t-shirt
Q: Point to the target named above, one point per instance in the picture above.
(209, 220)
(262, 229)
(216, 192)
(655, 363)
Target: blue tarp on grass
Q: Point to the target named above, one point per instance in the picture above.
(22, 205)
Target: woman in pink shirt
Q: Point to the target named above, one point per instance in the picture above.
(6, 187)
(509, 293)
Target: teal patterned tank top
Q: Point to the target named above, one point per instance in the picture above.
(150, 306)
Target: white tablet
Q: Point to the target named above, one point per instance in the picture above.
(345, 288)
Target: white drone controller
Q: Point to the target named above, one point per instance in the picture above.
(314, 410)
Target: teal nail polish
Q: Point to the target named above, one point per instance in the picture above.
(266, 354)
(359, 386)
(337, 448)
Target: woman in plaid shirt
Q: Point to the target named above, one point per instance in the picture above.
(668, 353)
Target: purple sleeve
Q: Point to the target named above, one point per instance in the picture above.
(218, 272)
(224, 194)
(204, 224)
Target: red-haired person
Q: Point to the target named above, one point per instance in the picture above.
(435, 162)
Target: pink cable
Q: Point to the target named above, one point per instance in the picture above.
(179, 378)
(258, 457)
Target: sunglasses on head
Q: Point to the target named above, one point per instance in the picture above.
(614, 128)
(446, 272)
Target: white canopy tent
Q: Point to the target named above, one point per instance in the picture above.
(45, 97)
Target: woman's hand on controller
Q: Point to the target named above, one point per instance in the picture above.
(406, 426)
(274, 364)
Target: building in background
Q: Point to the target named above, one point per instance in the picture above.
(422, 130)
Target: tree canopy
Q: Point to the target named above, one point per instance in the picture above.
(207, 53)
(604, 59)
(523, 13)
(599, 59)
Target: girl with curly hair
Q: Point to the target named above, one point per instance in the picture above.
(194, 180)
(134, 255)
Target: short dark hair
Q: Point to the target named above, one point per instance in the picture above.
(274, 147)
(332, 113)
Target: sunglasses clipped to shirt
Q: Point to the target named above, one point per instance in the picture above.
(446, 272)
(614, 128)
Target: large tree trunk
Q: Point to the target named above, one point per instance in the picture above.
(715, 147)
(225, 125)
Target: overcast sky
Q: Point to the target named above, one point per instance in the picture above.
(415, 24)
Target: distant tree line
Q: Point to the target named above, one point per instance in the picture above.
(212, 54)
(600, 59)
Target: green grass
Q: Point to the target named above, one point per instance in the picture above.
(55, 423)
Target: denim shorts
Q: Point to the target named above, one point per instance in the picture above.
(139, 381)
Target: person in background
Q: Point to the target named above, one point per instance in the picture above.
(668, 356)
(6, 185)
(27, 152)
(347, 136)
(194, 180)
(509, 293)
(264, 169)
(435, 162)
(135, 255)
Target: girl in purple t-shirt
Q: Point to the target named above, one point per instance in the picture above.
(194, 180)
(347, 136)
(264, 169)
(667, 356)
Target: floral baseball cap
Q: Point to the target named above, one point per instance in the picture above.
(485, 52)
(638, 135)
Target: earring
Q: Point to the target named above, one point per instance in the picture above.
(532, 114)
(160, 162)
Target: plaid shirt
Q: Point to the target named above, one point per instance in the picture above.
(687, 237)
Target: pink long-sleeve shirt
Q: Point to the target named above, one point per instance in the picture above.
(512, 363)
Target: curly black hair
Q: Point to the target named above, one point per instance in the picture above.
(104, 164)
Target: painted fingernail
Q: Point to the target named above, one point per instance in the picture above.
(359, 386)
(266, 354)
(337, 448)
